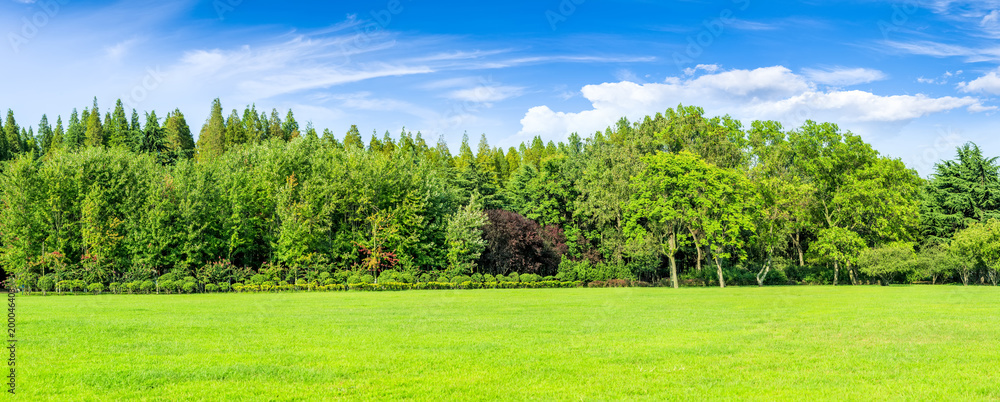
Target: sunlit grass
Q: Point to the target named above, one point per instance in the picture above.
(916, 342)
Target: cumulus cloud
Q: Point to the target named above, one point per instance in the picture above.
(989, 83)
(842, 76)
(772, 93)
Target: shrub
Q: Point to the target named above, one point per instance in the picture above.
(513, 277)
(46, 284)
(367, 278)
(258, 279)
(189, 287)
(147, 286)
(407, 278)
(515, 243)
(460, 279)
(477, 277)
(425, 277)
(489, 278)
(443, 279)
(114, 287)
(389, 275)
(95, 288)
(168, 286)
(223, 286)
(341, 276)
(211, 288)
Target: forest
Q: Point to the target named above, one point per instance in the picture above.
(117, 201)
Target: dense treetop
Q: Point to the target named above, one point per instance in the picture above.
(119, 197)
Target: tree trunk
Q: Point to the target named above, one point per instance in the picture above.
(762, 275)
(672, 243)
(965, 277)
(836, 271)
(722, 281)
(697, 264)
(850, 271)
(798, 246)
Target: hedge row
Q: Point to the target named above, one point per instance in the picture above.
(192, 287)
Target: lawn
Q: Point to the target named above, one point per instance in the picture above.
(911, 342)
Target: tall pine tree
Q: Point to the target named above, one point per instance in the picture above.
(94, 137)
(178, 135)
(211, 140)
(75, 131)
(13, 134)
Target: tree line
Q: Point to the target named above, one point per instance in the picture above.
(676, 198)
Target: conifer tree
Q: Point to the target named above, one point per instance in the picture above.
(45, 134)
(465, 158)
(134, 131)
(252, 127)
(311, 131)
(290, 128)
(211, 140)
(119, 134)
(74, 131)
(235, 131)
(352, 140)
(179, 140)
(274, 129)
(13, 134)
(58, 135)
(94, 137)
(4, 147)
(153, 139)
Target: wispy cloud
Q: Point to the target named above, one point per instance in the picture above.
(843, 76)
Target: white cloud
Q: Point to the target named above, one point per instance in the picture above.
(709, 68)
(120, 49)
(486, 94)
(989, 83)
(773, 93)
(842, 76)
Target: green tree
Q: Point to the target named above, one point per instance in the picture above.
(13, 134)
(978, 246)
(841, 246)
(465, 238)
(75, 131)
(211, 140)
(178, 135)
(669, 196)
(888, 262)
(45, 134)
(290, 128)
(352, 140)
(119, 134)
(59, 134)
(465, 159)
(959, 193)
(236, 133)
(94, 136)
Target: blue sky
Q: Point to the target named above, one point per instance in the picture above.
(914, 78)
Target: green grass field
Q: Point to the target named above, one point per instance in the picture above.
(914, 342)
